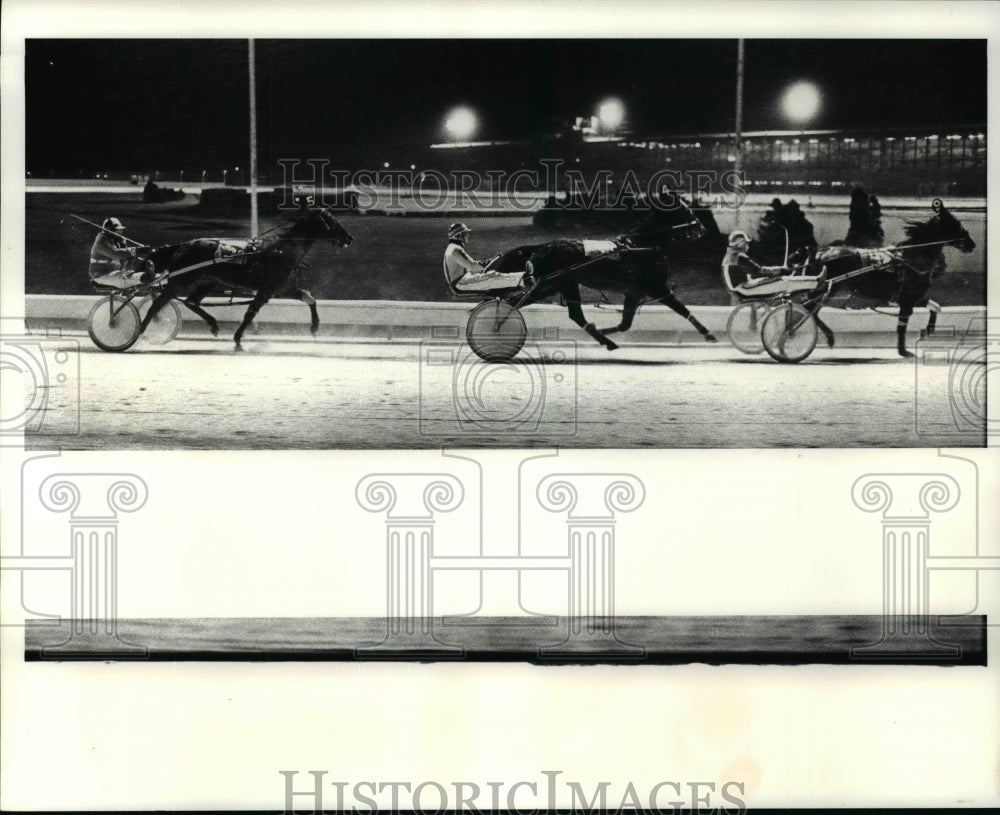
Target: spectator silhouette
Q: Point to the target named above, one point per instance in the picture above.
(865, 217)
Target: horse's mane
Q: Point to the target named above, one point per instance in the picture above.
(670, 210)
(925, 231)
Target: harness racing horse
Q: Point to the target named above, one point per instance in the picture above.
(905, 279)
(635, 265)
(198, 268)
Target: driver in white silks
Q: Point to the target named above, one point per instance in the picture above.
(113, 262)
(466, 274)
(745, 277)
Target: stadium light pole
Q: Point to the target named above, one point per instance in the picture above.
(738, 151)
(254, 230)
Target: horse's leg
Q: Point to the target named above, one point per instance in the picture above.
(813, 309)
(310, 301)
(155, 307)
(669, 299)
(258, 302)
(629, 308)
(933, 309)
(193, 302)
(905, 311)
(571, 293)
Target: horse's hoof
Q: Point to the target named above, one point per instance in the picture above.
(710, 337)
(238, 348)
(829, 342)
(313, 329)
(215, 330)
(905, 354)
(611, 346)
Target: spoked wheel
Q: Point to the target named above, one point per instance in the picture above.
(165, 325)
(113, 324)
(744, 326)
(496, 331)
(789, 333)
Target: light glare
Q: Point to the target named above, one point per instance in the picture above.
(801, 101)
(461, 123)
(611, 113)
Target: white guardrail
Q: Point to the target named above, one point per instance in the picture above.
(402, 320)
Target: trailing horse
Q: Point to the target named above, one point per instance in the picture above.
(634, 265)
(203, 266)
(905, 275)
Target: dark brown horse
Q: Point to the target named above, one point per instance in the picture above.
(634, 265)
(905, 279)
(205, 266)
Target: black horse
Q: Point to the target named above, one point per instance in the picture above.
(783, 231)
(905, 278)
(634, 265)
(204, 266)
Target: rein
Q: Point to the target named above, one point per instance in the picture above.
(904, 246)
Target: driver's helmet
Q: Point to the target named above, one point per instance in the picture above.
(114, 224)
(458, 230)
(738, 237)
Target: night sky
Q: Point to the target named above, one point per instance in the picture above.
(183, 103)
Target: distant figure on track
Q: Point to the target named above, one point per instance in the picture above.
(466, 274)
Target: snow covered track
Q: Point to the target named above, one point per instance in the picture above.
(302, 393)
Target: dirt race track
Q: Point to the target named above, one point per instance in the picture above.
(301, 394)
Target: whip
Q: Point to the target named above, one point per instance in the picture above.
(105, 229)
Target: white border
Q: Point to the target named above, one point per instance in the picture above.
(215, 735)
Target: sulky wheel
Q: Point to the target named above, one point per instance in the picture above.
(165, 325)
(113, 324)
(744, 325)
(496, 331)
(789, 333)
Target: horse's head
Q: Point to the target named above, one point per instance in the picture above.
(670, 221)
(334, 230)
(949, 229)
(943, 229)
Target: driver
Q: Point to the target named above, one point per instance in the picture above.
(744, 275)
(464, 273)
(112, 261)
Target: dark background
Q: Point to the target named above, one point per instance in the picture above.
(116, 104)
